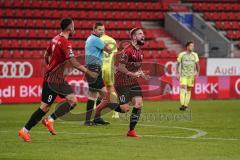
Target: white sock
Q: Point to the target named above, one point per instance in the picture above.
(50, 119)
(25, 129)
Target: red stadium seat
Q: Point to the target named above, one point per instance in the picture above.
(21, 33)
(3, 43)
(227, 7)
(156, 55)
(17, 54)
(228, 25)
(219, 24)
(211, 6)
(231, 35)
(216, 16)
(207, 15)
(148, 55)
(204, 7)
(27, 54)
(7, 54)
(235, 25)
(236, 7)
(237, 16)
(4, 33)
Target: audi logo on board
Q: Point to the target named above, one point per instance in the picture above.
(170, 68)
(80, 88)
(237, 86)
(16, 69)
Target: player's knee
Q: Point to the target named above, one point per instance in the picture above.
(92, 95)
(73, 104)
(45, 107)
(106, 97)
(124, 108)
(72, 100)
(138, 105)
(104, 94)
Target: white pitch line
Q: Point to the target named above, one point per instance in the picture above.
(152, 136)
(199, 134)
(218, 138)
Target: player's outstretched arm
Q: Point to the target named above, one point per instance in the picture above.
(82, 68)
(144, 75)
(122, 68)
(46, 57)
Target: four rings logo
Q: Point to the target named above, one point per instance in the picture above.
(79, 87)
(16, 69)
(237, 86)
(170, 68)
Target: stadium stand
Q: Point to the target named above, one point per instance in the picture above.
(27, 26)
(226, 15)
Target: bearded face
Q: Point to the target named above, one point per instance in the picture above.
(139, 37)
(140, 42)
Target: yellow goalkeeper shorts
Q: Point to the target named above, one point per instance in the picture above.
(187, 81)
(108, 72)
(108, 60)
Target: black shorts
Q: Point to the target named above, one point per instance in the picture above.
(126, 93)
(50, 91)
(95, 85)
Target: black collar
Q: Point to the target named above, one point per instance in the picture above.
(95, 35)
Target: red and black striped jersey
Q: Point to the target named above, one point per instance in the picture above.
(132, 58)
(59, 50)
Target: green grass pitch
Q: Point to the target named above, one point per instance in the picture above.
(210, 131)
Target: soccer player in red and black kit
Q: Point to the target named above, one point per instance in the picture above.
(126, 84)
(56, 56)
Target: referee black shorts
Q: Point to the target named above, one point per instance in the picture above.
(51, 90)
(95, 85)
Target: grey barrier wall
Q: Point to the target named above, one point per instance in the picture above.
(184, 34)
(218, 45)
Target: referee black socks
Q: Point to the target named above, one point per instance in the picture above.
(90, 105)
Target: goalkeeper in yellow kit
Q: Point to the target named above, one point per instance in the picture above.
(108, 68)
(187, 69)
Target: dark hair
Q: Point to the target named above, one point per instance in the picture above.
(133, 31)
(188, 43)
(97, 24)
(65, 22)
